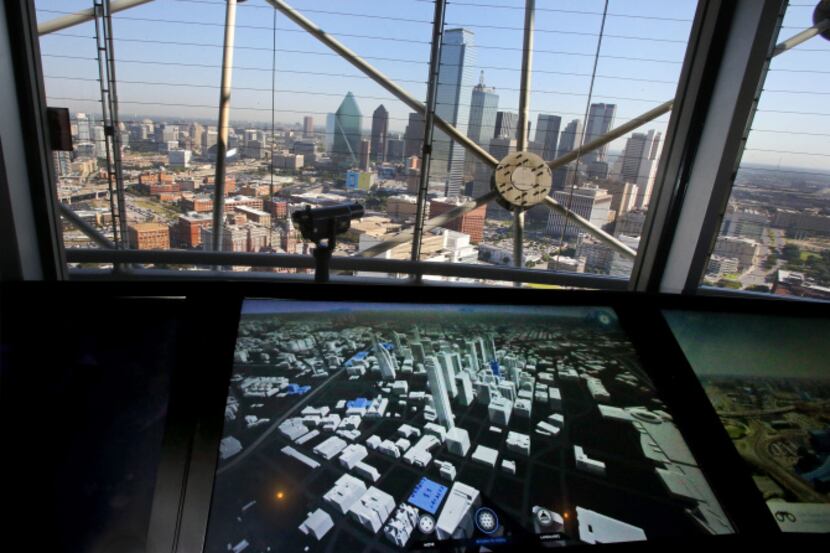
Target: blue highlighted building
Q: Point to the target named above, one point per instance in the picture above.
(296, 390)
(494, 366)
(427, 495)
(358, 403)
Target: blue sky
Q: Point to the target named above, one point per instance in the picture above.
(169, 54)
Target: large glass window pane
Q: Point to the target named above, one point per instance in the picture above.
(775, 233)
(306, 127)
(590, 74)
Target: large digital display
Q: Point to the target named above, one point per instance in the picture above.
(389, 427)
(768, 378)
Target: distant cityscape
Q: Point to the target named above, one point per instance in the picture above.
(775, 235)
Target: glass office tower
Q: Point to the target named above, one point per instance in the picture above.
(347, 120)
(455, 82)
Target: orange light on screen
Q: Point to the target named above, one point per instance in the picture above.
(280, 495)
(565, 515)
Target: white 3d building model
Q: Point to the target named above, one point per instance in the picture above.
(372, 509)
(597, 528)
(458, 441)
(401, 525)
(456, 518)
(345, 492)
(438, 389)
(583, 462)
(317, 524)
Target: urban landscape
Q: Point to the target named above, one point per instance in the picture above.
(767, 380)
(387, 427)
(781, 427)
(350, 145)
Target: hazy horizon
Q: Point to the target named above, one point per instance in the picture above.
(168, 57)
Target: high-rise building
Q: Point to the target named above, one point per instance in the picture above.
(600, 121)
(85, 124)
(505, 126)
(590, 202)
(365, 154)
(414, 136)
(455, 81)
(395, 150)
(308, 127)
(482, 124)
(639, 163)
(439, 392)
(571, 137)
(100, 142)
(328, 141)
(483, 108)
(387, 363)
(547, 135)
(569, 140)
(347, 132)
(209, 138)
(380, 129)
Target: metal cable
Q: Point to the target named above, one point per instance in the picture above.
(584, 132)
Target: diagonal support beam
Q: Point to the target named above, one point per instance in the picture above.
(66, 21)
(440, 220)
(803, 36)
(612, 135)
(381, 79)
(86, 228)
(590, 228)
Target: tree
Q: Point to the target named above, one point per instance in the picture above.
(726, 283)
(758, 288)
(791, 253)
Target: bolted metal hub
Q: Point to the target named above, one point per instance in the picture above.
(522, 179)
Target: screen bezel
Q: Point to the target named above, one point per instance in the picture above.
(641, 318)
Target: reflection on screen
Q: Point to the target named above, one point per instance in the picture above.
(768, 379)
(384, 427)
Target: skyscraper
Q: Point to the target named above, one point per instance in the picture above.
(483, 107)
(365, 154)
(347, 123)
(505, 124)
(482, 123)
(308, 127)
(455, 79)
(394, 150)
(438, 390)
(414, 135)
(387, 363)
(569, 140)
(639, 163)
(547, 135)
(329, 138)
(85, 125)
(600, 121)
(380, 128)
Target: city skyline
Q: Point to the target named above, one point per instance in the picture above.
(554, 72)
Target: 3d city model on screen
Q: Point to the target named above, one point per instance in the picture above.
(391, 427)
(767, 378)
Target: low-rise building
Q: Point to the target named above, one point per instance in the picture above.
(149, 236)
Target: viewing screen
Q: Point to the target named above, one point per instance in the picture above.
(768, 379)
(383, 427)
